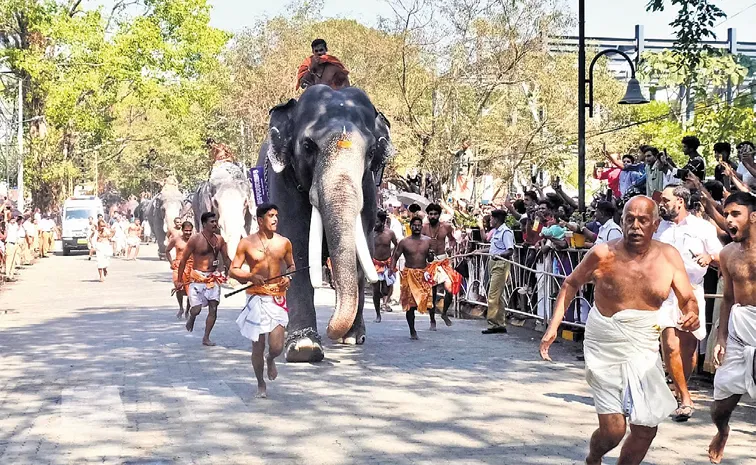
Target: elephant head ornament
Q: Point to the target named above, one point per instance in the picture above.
(331, 145)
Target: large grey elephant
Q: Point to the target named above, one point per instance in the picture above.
(160, 213)
(321, 161)
(227, 194)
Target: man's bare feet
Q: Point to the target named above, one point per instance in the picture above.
(178, 315)
(433, 326)
(272, 370)
(446, 319)
(208, 342)
(190, 322)
(413, 336)
(716, 448)
(377, 319)
(262, 391)
(102, 280)
(105, 271)
(186, 314)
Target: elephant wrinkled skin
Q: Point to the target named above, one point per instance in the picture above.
(321, 160)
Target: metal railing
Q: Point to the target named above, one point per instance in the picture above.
(533, 284)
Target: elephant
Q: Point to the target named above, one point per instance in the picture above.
(228, 194)
(321, 159)
(160, 213)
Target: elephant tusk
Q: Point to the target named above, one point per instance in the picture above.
(315, 249)
(363, 252)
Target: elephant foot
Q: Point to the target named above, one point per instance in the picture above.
(304, 346)
(353, 337)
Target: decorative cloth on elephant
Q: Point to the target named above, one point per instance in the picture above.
(265, 309)
(304, 68)
(623, 366)
(442, 272)
(383, 268)
(186, 279)
(204, 287)
(416, 289)
(736, 376)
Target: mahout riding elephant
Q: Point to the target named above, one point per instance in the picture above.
(228, 194)
(321, 160)
(160, 213)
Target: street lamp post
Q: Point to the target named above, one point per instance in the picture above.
(633, 96)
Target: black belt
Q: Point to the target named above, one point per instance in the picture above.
(8, 242)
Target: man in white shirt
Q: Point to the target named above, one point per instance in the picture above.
(501, 250)
(696, 240)
(12, 238)
(745, 149)
(609, 230)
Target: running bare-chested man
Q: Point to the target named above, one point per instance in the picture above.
(179, 243)
(134, 239)
(177, 229)
(415, 289)
(441, 271)
(205, 250)
(736, 338)
(384, 240)
(265, 311)
(633, 277)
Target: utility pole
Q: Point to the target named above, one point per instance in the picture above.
(20, 135)
(581, 106)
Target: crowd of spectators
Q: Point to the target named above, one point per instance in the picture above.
(24, 238)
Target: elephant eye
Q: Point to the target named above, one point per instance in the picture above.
(310, 146)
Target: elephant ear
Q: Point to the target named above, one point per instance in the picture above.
(383, 149)
(279, 134)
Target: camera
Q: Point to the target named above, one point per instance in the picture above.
(682, 174)
(600, 164)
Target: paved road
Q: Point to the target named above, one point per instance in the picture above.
(103, 373)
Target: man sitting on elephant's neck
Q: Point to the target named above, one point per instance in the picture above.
(219, 153)
(322, 68)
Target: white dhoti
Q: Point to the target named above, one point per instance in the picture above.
(624, 368)
(670, 313)
(736, 375)
(103, 253)
(132, 241)
(202, 293)
(261, 315)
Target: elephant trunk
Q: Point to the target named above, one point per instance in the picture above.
(347, 245)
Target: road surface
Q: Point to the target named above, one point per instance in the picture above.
(104, 373)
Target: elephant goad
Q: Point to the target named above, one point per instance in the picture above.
(321, 160)
(228, 194)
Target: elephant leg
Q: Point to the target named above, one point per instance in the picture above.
(303, 343)
(356, 334)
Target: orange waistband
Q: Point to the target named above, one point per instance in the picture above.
(275, 288)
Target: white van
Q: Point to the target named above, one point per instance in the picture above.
(75, 221)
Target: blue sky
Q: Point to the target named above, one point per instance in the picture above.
(603, 17)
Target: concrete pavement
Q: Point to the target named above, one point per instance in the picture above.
(104, 373)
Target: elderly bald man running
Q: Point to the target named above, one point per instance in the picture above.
(633, 276)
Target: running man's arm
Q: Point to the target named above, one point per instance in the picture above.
(289, 259)
(168, 248)
(728, 299)
(398, 250)
(683, 290)
(188, 252)
(224, 254)
(580, 276)
(393, 239)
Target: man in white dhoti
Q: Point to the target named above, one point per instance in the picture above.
(736, 336)
(265, 312)
(632, 277)
(696, 240)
